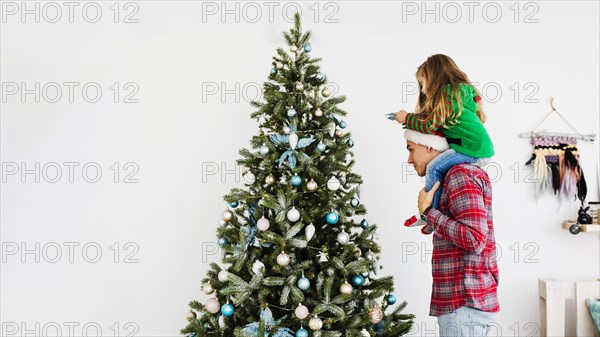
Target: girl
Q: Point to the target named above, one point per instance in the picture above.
(450, 104)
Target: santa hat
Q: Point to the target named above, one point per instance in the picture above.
(436, 140)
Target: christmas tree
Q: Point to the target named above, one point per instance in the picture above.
(298, 260)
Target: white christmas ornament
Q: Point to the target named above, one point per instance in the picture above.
(212, 305)
(331, 129)
(346, 288)
(293, 215)
(257, 266)
(309, 231)
(293, 141)
(333, 183)
(250, 178)
(279, 65)
(343, 238)
(301, 311)
(283, 259)
(264, 150)
(263, 224)
(286, 129)
(315, 323)
(318, 113)
(223, 274)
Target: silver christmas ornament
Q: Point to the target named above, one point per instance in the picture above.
(311, 185)
(191, 315)
(318, 113)
(279, 65)
(325, 92)
(293, 48)
(270, 180)
(207, 288)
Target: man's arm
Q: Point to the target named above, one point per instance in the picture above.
(468, 227)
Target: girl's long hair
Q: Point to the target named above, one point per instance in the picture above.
(438, 71)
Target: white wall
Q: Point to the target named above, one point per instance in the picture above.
(174, 135)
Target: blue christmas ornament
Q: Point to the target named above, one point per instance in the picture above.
(358, 280)
(342, 125)
(234, 204)
(320, 76)
(291, 112)
(332, 218)
(301, 332)
(354, 202)
(379, 327)
(307, 48)
(227, 309)
(350, 143)
(296, 180)
(303, 283)
(222, 242)
(273, 70)
(321, 147)
(391, 299)
(364, 224)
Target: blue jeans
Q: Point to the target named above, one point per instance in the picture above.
(440, 165)
(466, 322)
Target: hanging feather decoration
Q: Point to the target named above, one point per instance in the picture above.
(555, 162)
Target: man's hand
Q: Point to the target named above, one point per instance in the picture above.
(400, 116)
(426, 198)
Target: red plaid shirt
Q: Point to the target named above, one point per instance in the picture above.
(464, 249)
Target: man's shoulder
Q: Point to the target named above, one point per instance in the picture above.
(467, 171)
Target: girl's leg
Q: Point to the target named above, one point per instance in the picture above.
(440, 165)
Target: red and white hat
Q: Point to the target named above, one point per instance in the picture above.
(436, 140)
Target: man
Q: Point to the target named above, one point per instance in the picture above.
(465, 275)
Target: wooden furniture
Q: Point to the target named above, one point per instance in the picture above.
(553, 294)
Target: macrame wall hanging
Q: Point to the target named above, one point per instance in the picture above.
(555, 161)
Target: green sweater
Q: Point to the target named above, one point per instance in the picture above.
(467, 135)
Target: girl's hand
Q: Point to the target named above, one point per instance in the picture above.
(400, 116)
